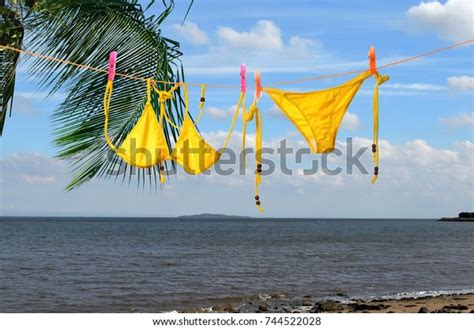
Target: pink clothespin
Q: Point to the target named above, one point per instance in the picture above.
(372, 62)
(258, 84)
(243, 80)
(112, 62)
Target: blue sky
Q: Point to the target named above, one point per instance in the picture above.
(426, 120)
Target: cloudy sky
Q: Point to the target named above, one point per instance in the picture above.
(426, 120)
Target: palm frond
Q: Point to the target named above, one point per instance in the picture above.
(11, 34)
(86, 32)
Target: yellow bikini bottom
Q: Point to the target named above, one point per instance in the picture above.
(318, 114)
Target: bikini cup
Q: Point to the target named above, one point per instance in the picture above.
(191, 151)
(145, 146)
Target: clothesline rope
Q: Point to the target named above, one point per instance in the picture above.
(400, 61)
(334, 75)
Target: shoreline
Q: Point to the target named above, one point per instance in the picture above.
(278, 303)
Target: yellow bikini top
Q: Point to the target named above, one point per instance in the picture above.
(145, 146)
(191, 151)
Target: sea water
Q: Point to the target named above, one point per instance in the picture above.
(165, 264)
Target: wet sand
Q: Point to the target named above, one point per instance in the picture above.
(438, 304)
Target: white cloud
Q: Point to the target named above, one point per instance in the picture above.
(220, 114)
(26, 102)
(452, 20)
(414, 86)
(274, 112)
(416, 180)
(466, 152)
(461, 83)
(224, 114)
(191, 32)
(38, 179)
(265, 48)
(391, 92)
(40, 95)
(23, 105)
(31, 168)
(350, 122)
(301, 47)
(466, 145)
(419, 153)
(459, 120)
(264, 36)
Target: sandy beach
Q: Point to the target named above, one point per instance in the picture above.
(438, 304)
(452, 303)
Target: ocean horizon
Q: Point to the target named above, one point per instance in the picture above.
(210, 216)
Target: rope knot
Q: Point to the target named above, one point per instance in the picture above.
(251, 113)
(165, 95)
(382, 78)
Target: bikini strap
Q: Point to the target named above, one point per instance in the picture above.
(186, 97)
(375, 138)
(148, 90)
(247, 117)
(163, 96)
(107, 97)
(258, 155)
(254, 113)
(202, 100)
(240, 104)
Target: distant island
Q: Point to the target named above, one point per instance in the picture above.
(462, 217)
(212, 216)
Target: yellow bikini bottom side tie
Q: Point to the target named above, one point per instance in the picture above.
(254, 113)
(379, 79)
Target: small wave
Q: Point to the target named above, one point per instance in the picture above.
(417, 294)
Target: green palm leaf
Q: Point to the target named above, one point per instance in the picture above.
(11, 34)
(86, 32)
